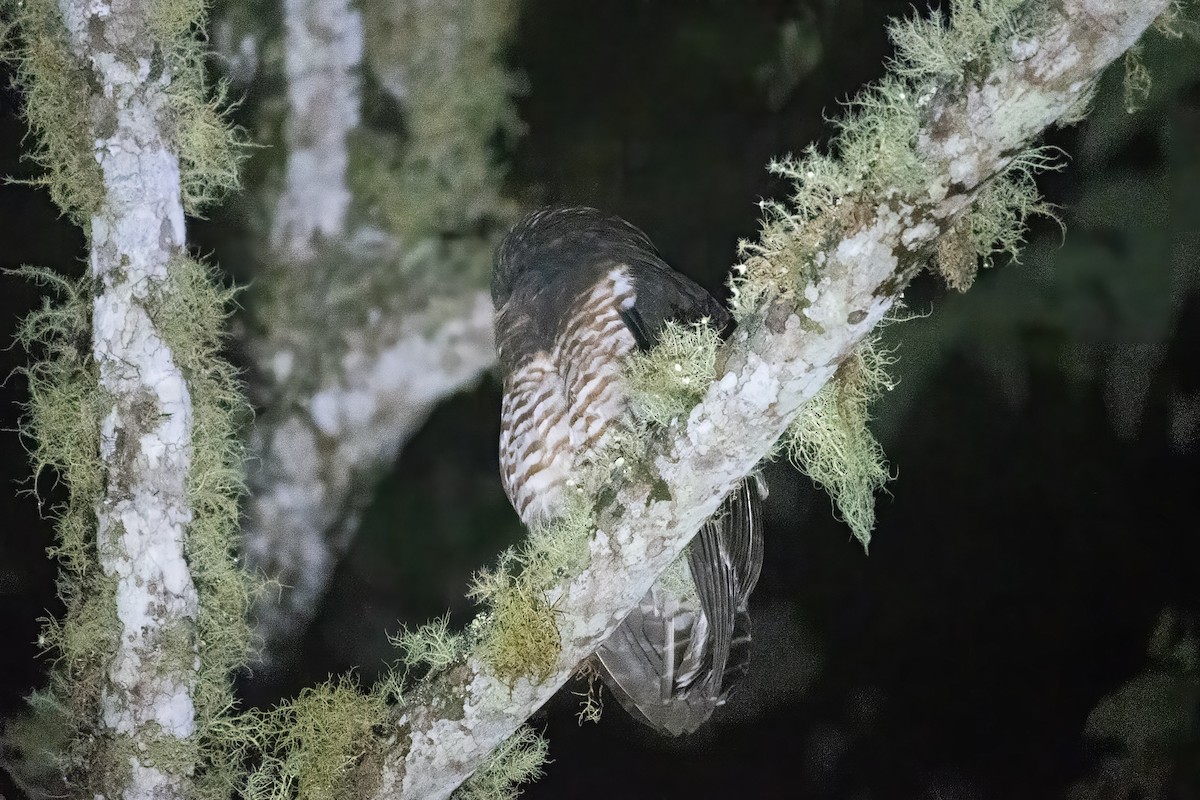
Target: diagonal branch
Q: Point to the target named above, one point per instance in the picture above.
(318, 456)
(791, 341)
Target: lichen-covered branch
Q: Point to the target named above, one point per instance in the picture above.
(140, 424)
(919, 150)
(322, 46)
(372, 305)
(318, 461)
(145, 437)
(295, 501)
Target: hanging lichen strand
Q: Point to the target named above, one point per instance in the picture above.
(131, 404)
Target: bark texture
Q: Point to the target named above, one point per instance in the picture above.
(323, 50)
(319, 455)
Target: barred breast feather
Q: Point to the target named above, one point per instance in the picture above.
(557, 405)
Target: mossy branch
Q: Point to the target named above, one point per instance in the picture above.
(132, 405)
(915, 155)
(913, 159)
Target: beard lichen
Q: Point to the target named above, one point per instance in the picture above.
(444, 63)
(664, 384)
(591, 706)
(56, 106)
(306, 748)
(831, 442)
(517, 760)
(516, 635)
(975, 35)
(431, 646)
(190, 310)
(59, 113)
(61, 426)
(66, 404)
(994, 226)
(875, 154)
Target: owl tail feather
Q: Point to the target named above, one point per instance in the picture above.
(678, 655)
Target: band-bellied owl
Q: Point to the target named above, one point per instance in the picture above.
(575, 291)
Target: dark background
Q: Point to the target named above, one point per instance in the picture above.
(1044, 510)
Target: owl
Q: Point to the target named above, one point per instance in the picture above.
(575, 292)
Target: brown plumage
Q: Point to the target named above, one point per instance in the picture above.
(575, 291)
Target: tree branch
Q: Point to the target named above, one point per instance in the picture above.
(790, 342)
(318, 456)
(146, 434)
(323, 49)
(376, 309)
(140, 426)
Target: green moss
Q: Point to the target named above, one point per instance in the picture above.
(558, 550)
(308, 746)
(792, 234)
(874, 154)
(80, 642)
(877, 139)
(518, 760)
(1174, 23)
(665, 383)
(172, 755)
(516, 635)
(209, 148)
(955, 257)
(832, 443)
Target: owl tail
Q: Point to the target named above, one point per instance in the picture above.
(680, 652)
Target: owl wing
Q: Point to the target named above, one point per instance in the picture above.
(664, 295)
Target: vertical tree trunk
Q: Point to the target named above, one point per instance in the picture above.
(146, 434)
(140, 424)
